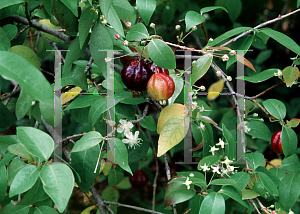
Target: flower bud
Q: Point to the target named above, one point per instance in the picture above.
(194, 28)
(225, 57)
(128, 24)
(152, 25)
(126, 43)
(177, 27)
(117, 36)
(232, 52)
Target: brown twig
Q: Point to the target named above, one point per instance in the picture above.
(71, 137)
(254, 205)
(55, 47)
(143, 115)
(202, 26)
(9, 97)
(11, 94)
(21, 31)
(268, 89)
(27, 13)
(88, 66)
(262, 207)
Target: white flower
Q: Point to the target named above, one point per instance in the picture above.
(210, 40)
(213, 149)
(279, 73)
(194, 105)
(152, 25)
(221, 143)
(225, 57)
(128, 24)
(231, 168)
(117, 36)
(215, 169)
(104, 22)
(202, 126)
(205, 168)
(111, 122)
(125, 126)
(291, 212)
(187, 183)
(126, 43)
(201, 109)
(232, 52)
(177, 27)
(132, 140)
(224, 171)
(229, 78)
(247, 129)
(227, 161)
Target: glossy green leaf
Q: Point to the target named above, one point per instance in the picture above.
(207, 9)
(282, 39)
(259, 130)
(249, 194)
(176, 192)
(123, 8)
(234, 193)
(291, 164)
(39, 13)
(278, 173)
(228, 34)
(48, 113)
(260, 77)
(6, 117)
(148, 123)
(10, 31)
(83, 101)
(85, 22)
(270, 186)
(213, 203)
(161, 54)
(13, 168)
(72, 5)
(276, 108)
(19, 149)
(47, 23)
(26, 53)
(201, 67)
(97, 109)
(263, 56)
(15, 67)
(6, 141)
(208, 161)
(84, 163)
(75, 76)
(37, 142)
(207, 120)
(139, 152)
(207, 137)
(4, 4)
(115, 176)
(15, 209)
(100, 41)
(192, 19)
(254, 159)
(3, 182)
(178, 81)
(137, 32)
(290, 74)
(88, 141)
(35, 194)
(298, 3)
(114, 21)
(195, 181)
(105, 5)
(234, 8)
(289, 190)
(230, 147)
(24, 180)
(146, 9)
(44, 210)
(242, 178)
(58, 181)
(23, 104)
(225, 182)
(289, 141)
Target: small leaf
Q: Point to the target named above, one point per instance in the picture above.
(3, 182)
(276, 108)
(259, 130)
(178, 81)
(291, 164)
(115, 21)
(137, 32)
(4, 4)
(161, 54)
(249, 194)
(207, 9)
(19, 149)
(201, 67)
(242, 178)
(215, 89)
(192, 19)
(26, 53)
(260, 77)
(105, 6)
(88, 141)
(58, 183)
(289, 190)
(225, 182)
(47, 23)
(83, 101)
(270, 186)
(123, 8)
(146, 9)
(230, 147)
(213, 203)
(234, 8)
(23, 104)
(289, 141)
(290, 74)
(72, 5)
(254, 159)
(207, 120)
(115, 176)
(244, 61)
(233, 193)
(4, 41)
(293, 123)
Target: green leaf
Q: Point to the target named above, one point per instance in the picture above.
(213, 203)
(254, 159)
(24, 180)
(225, 182)
(146, 9)
(48, 113)
(282, 39)
(178, 81)
(10, 30)
(148, 123)
(23, 104)
(230, 147)
(207, 137)
(120, 153)
(276, 108)
(4, 41)
(83, 101)
(249, 194)
(233, 193)
(290, 74)
(208, 160)
(44, 210)
(289, 141)
(88, 141)
(15, 209)
(115, 176)
(6, 141)
(75, 76)
(85, 22)
(13, 168)
(298, 3)
(26, 53)
(270, 186)
(47, 23)
(100, 41)
(260, 77)
(291, 164)
(105, 6)
(234, 8)
(97, 109)
(137, 32)
(228, 34)
(4, 4)
(123, 8)
(263, 56)
(192, 19)
(114, 21)
(161, 54)
(259, 130)
(15, 67)
(72, 5)
(7, 158)
(177, 192)
(37, 142)
(3, 182)
(289, 191)
(242, 178)
(19, 149)
(6, 117)
(35, 194)
(137, 153)
(84, 163)
(201, 67)
(207, 9)
(58, 181)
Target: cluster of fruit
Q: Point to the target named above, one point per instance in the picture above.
(139, 76)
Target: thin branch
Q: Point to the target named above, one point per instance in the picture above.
(71, 137)
(155, 103)
(11, 94)
(27, 13)
(9, 98)
(46, 72)
(254, 205)
(143, 115)
(88, 66)
(94, 81)
(262, 207)
(99, 200)
(21, 31)
(265, 91)
(131, 207)
(37, 41)
(55, 47)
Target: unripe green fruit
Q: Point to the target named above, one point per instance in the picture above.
(160, 86)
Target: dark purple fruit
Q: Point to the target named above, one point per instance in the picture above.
(139, 179)
(136, 75)
(158, 69)
(276, 142)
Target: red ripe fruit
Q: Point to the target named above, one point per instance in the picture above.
(158, 69)
(139, 179)
(136, 75)
(276, 142)
(160, 86)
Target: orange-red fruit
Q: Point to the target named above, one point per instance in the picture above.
(158, 69)
(139, 179)
(136, 75)
(160, 86)
(276, 142)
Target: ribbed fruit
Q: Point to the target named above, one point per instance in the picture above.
(158, 69)
(139, 179)
(160, 86)
(276, 142)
